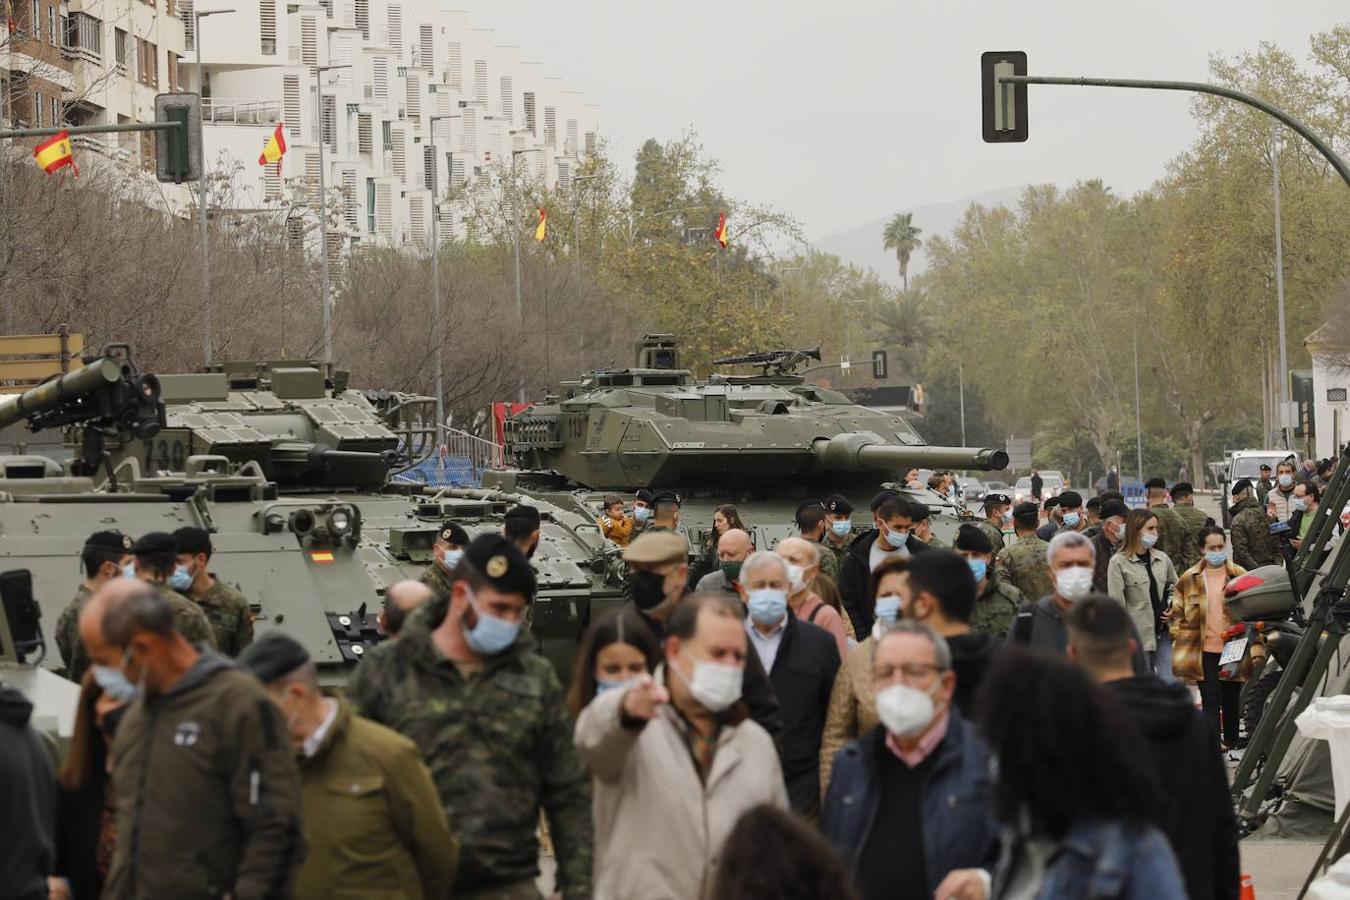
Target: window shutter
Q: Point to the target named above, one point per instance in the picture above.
(428, 167)
(508, 100)
(380, 77)
(454, 68)
(470, 123)
(330, 122)
(396, 28)
(290, 103)
(189, 24)
(426, 39)
(551, 126)
(267, 27)
(414, 94)
(363, 18)
(571, 149)
(590, 143)
(530, 122)
(417, 220)
(384, 217)
(309, 41)
(364, 138)
(271, 182)
(349, 214)
(480, 81)
(312, 179)
(400, 155)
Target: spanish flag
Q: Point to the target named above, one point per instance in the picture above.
(541, 230)
(54, 153)
(274, 149)
(721, 232)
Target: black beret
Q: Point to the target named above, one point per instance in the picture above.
(918, 511)
(1093, 503)
(453, 533)
(837, 504)
(880, 498)
(1244, 484)
(1070, 499)
(273, 656)
(972, 539)
(499, 561)
(1182, 487)
(807, 504)
(524, 513)
(643, 495)
(155, 542)
(1026, 510)
(1051, 502)
(112, 541)
(1114, 508)
(192, 540)
(996, 499)
(1155, 484)
(666, 497)
(1264, 467)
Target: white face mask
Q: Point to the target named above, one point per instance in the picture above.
(713, 685)
(796, 576)
(906, 711)
(1074, 583)
(1286, 480)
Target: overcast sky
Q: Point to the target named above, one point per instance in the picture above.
(844, 111)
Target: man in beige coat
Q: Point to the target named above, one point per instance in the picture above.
(676, 761)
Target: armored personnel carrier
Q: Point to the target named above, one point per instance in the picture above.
(764, 442)
(289, 470)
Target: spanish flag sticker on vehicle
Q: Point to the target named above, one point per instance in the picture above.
(321, 556)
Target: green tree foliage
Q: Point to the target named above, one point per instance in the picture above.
(901, 235)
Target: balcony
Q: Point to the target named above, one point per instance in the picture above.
(233, 111)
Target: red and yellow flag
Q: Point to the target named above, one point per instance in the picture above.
(274, 149)
(541, 230)
(54, 153)
(721, 232)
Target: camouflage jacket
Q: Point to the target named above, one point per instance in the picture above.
(188, 618)
(68, 635)
(434, 577)
(230, 617)
(995, 609)
(1024, 566)
(838, 551)
(1174, 538)
(993, 532)
(1253, 545)
(1193, 519)
(829, 563)
(499, 746)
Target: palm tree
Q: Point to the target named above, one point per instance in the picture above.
(901, 236)
(907, 327)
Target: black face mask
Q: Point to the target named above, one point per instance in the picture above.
(648, 589)
(111, 719)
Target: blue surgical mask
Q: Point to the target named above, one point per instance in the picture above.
(1216, 558)
(841, 527)
(604, 685)
(1071, 519)
(1007, 515)
(129, 570)
(641, 513)
(895, 537)
(181, 579)
(888, 608)
(767, 605)
(1298, 504)
(1148, 540)
(115, 682)
(450, 559)
(978, 568)
(491, 635)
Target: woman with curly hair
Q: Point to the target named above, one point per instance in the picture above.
(1072, 787)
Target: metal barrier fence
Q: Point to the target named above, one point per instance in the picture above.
(460, 461)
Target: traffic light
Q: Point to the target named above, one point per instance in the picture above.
(1003, 106)
(177, 150)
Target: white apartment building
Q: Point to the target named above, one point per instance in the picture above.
(92, 62)
(394, 74)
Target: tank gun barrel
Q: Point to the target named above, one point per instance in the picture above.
(852, 452)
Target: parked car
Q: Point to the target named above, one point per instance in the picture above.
(971, 489)
(1052, 483)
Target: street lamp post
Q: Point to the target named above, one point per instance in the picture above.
(576, 219)
(197, 17)
(436, 267)
(323, 217)
(1282, 392)
(515, 248)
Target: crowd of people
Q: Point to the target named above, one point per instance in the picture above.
(858, 711)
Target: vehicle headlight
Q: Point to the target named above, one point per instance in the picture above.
(339, 522)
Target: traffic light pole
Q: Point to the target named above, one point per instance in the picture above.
(1198, 87)
(88, 129)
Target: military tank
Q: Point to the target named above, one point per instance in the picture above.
(290, 470)
(764, 442)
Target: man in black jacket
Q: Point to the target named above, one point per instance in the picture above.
(1198, 816)
(658, 579)
(869, 550)
(27, 802)
(802, 660)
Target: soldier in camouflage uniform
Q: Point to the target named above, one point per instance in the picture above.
(839, 528)
(813, 522)
(1174, 539)
(1192, 519)
(995, 508)
(227, 609)
(105, 556)
(923, 527)
(488, 714)
(665, 513)
(446, 552)
(1024, 565)
(1253, 544)
(996, 603)
(156, 558)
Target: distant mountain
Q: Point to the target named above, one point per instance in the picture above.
(862, 245)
